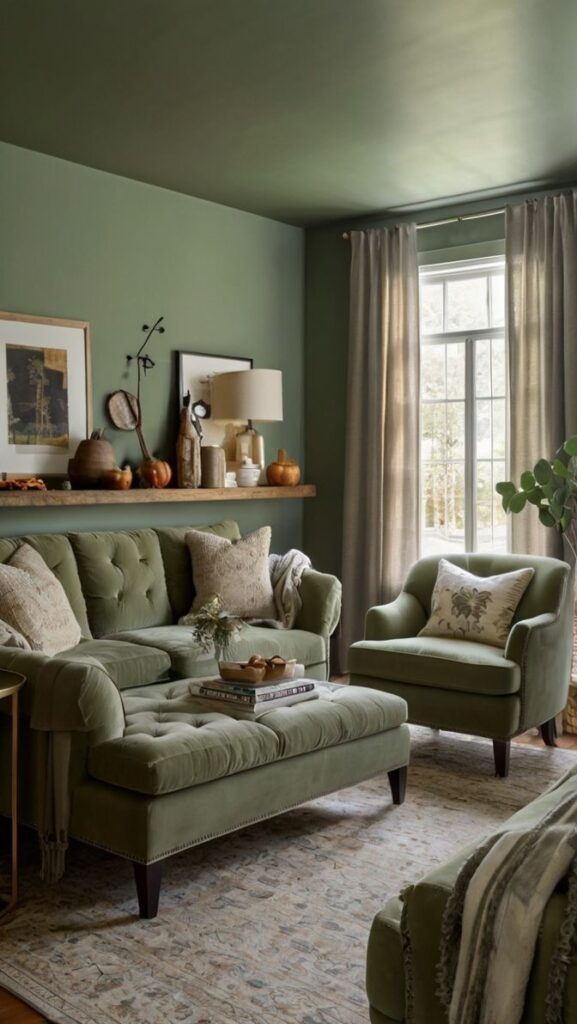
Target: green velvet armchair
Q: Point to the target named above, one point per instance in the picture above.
(463, 686)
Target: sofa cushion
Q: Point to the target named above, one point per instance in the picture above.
(127, 664)
(239, 573)
(123, 581)
(189, 661)
(171, 743)
(56, 550)
(434, 661)
(34, 602)
(177, 564)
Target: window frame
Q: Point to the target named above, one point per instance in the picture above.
(487, 267)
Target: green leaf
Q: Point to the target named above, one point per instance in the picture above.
(505, 487)
(546, 518)
(517, 502)
(527, 480)
(556, 511)
(565, 521)
(561, 495)
(561, 455)
(549, 490)
(561, 470)
(536, 496)
(570, 445)
(543, 472)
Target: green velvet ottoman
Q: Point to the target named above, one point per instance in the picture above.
(180, 774)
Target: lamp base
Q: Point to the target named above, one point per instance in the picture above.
(250, 445)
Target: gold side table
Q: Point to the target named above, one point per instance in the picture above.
(10, 685)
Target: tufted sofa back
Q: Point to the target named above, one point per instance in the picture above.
(122, 580)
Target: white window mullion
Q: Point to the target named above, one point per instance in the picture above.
(470, 448)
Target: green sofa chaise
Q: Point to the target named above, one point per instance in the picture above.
(469, 687)
(116, 749)
(425, 905)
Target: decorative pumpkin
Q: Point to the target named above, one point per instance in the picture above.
(284, 472)
(155, 473)
(91, 459)
(117, 479)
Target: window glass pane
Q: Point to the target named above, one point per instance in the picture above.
(444, 509)
(456, 369)
(431, 308)
(484, 447)
(499, 428)
(433, 371)
(467, 303)
(484, 483)
(433, 438)
(498, 370)
(498, 300)
(483, 368)
(455, 430)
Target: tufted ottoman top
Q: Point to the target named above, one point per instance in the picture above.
(170, 742)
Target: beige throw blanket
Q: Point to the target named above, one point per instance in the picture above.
(493, 916)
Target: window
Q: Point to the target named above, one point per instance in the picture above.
(463, 406)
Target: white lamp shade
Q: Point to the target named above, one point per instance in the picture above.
(246, 395)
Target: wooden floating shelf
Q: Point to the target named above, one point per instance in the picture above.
(142, 495)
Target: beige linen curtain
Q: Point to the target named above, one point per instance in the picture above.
(381, 506)
(541, 254)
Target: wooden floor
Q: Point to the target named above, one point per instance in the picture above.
(12, 1011)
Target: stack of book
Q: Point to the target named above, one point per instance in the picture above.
(257, 697)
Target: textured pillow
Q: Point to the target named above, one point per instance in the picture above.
(10, 637)
(33, 602)
(238, 573)
(479, 608)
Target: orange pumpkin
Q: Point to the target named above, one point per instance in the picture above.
(117, 479)
(155, 473)
(284, 472)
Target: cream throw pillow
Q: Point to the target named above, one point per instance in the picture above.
(479, 608)
(238, 573)
(33, 602)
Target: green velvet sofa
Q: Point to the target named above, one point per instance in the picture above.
(117, 752)
(425, 905)
(462, 686)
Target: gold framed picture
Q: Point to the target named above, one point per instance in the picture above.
(45, 393)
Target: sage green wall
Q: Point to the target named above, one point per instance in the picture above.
(326, 348)
(84, 244)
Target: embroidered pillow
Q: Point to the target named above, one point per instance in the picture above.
(479, 608)
(238, 572)
(33, 602)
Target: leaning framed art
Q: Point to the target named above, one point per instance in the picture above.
(195, 370)
(45, 393)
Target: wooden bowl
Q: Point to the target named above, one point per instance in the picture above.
(240, 672)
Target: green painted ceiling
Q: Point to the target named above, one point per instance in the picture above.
(301, 110)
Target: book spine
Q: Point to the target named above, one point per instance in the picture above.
(257, 699)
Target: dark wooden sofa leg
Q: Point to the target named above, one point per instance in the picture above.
(549, 733)
(398, 783)
(148, 878)
(501, 752)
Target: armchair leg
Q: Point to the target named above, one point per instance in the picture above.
(501, 753)
(147, 878)
(398, 784)
(549, 733)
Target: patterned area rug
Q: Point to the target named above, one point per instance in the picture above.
(267, 926)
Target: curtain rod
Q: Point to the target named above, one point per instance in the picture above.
(451, 220)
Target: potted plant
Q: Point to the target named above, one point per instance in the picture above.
(551, 486)
(212, 627)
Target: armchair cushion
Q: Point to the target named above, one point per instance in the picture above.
(435, 661)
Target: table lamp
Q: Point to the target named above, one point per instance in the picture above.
(247, 395)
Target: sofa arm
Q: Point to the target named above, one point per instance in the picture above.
(542, 650)
(64, 695)
(405, 616)
(321, 603)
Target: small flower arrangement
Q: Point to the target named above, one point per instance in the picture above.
(213, 627)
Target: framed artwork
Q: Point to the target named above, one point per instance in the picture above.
(195, 370)
(45, 393)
